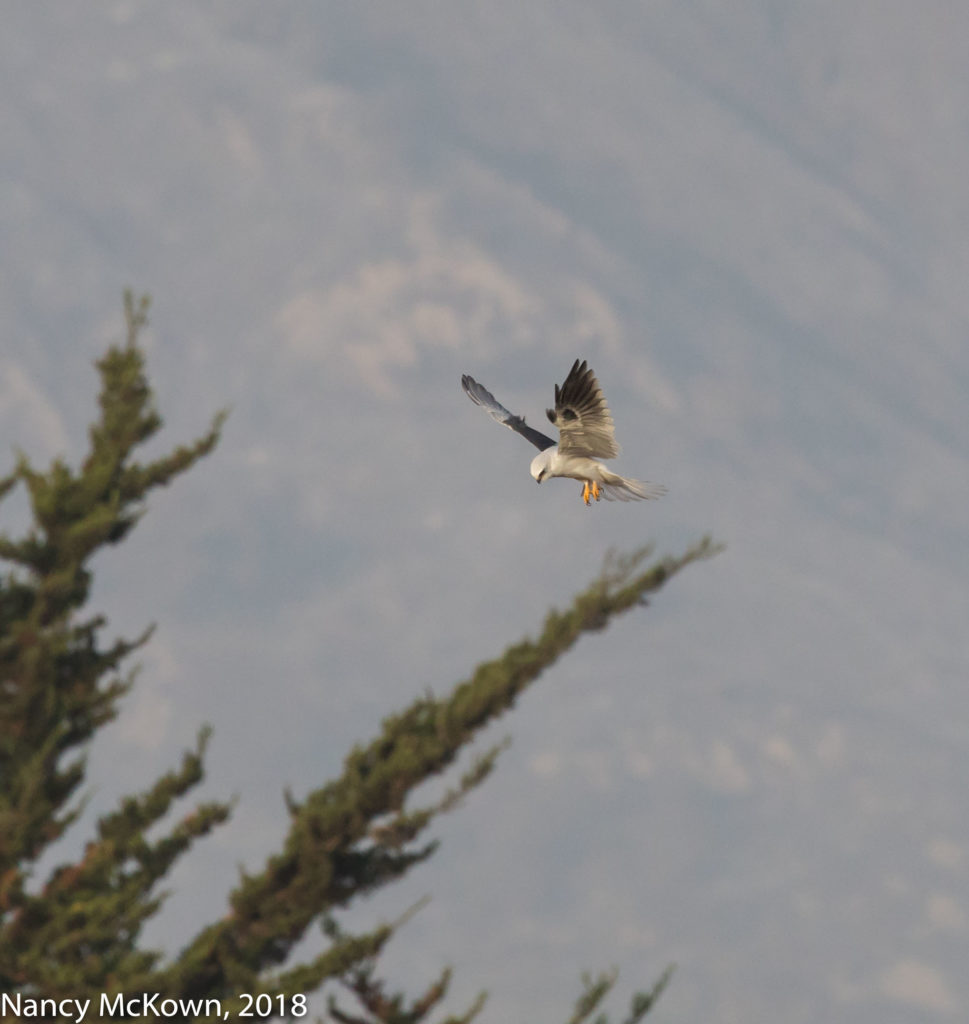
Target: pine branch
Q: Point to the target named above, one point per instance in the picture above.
(596, 989)
(330, 857)
(643, 1002)
(84, 925)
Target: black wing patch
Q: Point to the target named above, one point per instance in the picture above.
(582, 415)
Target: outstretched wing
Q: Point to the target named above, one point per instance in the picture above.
(582, 416)
(483, 397)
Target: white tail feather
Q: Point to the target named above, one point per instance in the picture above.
(621, 488)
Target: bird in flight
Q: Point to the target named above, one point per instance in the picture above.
(586, 434)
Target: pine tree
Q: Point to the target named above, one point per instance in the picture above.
(76, 934)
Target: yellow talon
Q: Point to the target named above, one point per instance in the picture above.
(595, 490)
(585, 491)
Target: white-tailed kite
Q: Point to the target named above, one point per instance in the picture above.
(586, 434)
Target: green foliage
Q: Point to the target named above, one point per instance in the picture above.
(76, 935)
(596, 989)
(60, 683)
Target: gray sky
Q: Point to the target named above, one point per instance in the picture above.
(754, 224)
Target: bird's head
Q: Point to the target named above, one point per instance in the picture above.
(541, 465)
